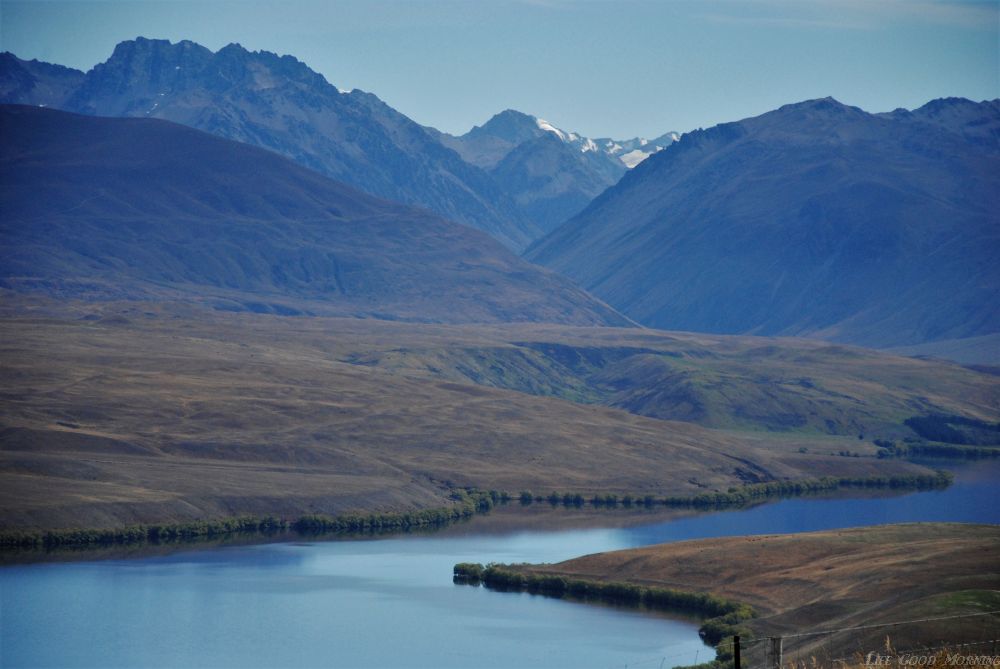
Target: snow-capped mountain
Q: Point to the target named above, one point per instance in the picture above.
(515, 177)
(550, 172)
(633, 151)
(630, 152)
(488, 144)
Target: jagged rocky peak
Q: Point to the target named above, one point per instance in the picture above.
(137, 74)
(278, 103)
(33, 82)
(244, 67)
(155, 59)
(162, 64)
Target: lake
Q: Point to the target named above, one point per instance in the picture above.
(390, 602)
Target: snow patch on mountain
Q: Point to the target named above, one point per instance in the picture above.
(548, 127)
(633, 158)
(629, 152)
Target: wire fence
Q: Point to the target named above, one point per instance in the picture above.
(770, 652)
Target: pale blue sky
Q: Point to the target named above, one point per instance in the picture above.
(620, 68)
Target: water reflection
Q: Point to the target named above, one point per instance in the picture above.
(389, 602)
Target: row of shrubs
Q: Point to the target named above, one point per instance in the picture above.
(736, 497)
(892, 449)
(467, 503)
(721, 617)
(141, 533)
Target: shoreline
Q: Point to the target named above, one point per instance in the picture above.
(468, 503)
(836, 590)
(720, 617)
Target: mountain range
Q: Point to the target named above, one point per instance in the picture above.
(487, 145)
(817, 219)
(105, 208)
(551, 173)
(279, 104)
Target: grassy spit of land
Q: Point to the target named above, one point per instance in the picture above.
(805, 583)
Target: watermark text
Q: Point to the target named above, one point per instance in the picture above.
(875, 660)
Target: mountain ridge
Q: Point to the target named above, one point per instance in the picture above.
(107, 208)
(278, 103)
(816, 219)
(551, 173)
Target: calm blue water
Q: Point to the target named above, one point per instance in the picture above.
(390, 602)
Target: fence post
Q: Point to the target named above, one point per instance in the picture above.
(772, 655)
(736, 651)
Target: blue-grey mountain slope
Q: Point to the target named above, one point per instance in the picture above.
(278, 103)
(105, 208)
(816, 219)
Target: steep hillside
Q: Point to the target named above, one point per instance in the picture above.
(817, 219)
(102, 208)
(278, 103)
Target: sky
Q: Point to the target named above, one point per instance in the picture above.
(619, 68)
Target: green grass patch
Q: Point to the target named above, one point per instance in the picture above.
(964, 601)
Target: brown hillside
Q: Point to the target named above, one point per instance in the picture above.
(803, 583)
(146, 414)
